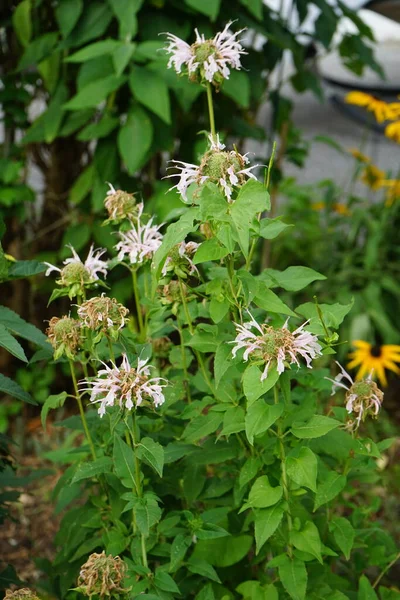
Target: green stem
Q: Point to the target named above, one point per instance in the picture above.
(129, 442)
(111, 350)
(82, 412)
(211, 110)
(385, 570)
(138, 483)
(185, 371)
(142, 333)
(191, 330)
(284, 474)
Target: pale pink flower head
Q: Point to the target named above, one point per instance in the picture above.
(75, 275)
(206, 60)
(140, 242)
(363, 397)
(275, 347)
(227, 169)
(179, 261)
(125, 386)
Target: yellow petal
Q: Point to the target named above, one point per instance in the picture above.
(388, 364)
(361, 344)
(380, 372)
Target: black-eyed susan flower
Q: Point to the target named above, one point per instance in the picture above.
(392, 131)
(393, 190)
(337, 207)
(382, 110)
(373, 177)
(374, 359)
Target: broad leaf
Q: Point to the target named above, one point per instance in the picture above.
(266, 521)
(301, 467)
(124, 462)
(316, 427)
(152, 453)
(293, 575)
(260, 416)
(262, 494)
(294, 279)
(93, 469)
(134, 139)
(9, 342)
(253, 387)
(12, 388)
(329, 489)
(343, 533)
(55, 401)
(307, 540)
(151, 91)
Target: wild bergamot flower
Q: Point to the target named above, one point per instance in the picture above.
(120, 205)
(102, 575)
(179, 261)
(126, 386)
(363, 397)
(65, 335)
(374, 359)
(140, 242)
(273, 346)
(21, 594)
(206, 60)
(226, 169)
(76, 274)
(104, 315)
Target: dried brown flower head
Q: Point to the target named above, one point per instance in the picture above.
(65, 336)
(102, 314)
(102, 575)
(21, 594)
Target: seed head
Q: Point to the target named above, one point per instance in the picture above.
(21, 594)
(102, 576)
(104, 315)
(65, 336)
(120, 205)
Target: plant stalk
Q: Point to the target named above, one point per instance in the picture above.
(82, 412)
(138, 482)
(284, 475)
(211, 111)
(141, 329)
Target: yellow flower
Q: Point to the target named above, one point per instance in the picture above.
(359, 156)
(392, 131)
(374, 358)
(381, 109)
(373, 177)
(393, 192)
(340, 209)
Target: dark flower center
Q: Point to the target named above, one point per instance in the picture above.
(376, 351)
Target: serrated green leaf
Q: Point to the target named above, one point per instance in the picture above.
(365, 590)
(152, 453)
(124, 462)
(9, 342)
(294, 279)
(19, 326)
(55, 401)
(329, 489)
(263, 495)
(95, 92)
(151, 91)
(301, 467)
(12, 388)
(316, 427)
(266, 521)
(344, 534)
(307, 540)
(253, 387)
(293, 575)
(260, 416)
(93, 469)
(134, 139)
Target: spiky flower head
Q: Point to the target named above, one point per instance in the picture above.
(76, 275)
(140, 242)
(363, 397)
(120, 206)
(102, 575)
(227, 169)
(179, 261)
(21, 594)
(206, 60)
(171, 294)
(103, 315)
(65, 336)
(125, 386)
(275, 347)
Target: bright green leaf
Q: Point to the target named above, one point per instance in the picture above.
(253, 387)
(260, 416)
(329, 489)
(344, 534)
(301, 467)
(266, 521)
(151, 91)
(262, 494)
(55, 401)
(134, 139)
(152, 453)
(307, 540)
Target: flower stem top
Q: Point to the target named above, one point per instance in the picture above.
(206, 60)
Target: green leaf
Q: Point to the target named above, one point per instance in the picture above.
(92, 24)
(266, 521)
(67, 15)
(255, 7)
(125, 11)
(179, 548)
(203, 568)
(233, 421)
(269, 301)
(307, 540)
(253, 387)
(37, 50)
(18, 326)
(26, 268)
(134, 139)
(237, 87)
(224, 551)
(22, 22)
(293, 575)
(218, 309)
(147, 513)
(12, 388)
(294, 279)
(253, 198)
(93, 50)
(260, 416)
(333, 315)
(271, 228)
(152, 453)
(301, 467)
(209, 250)
(95, 92)
(82, 185)
(122, 55)
(8, 342)
(329, 489)
(55, 401)
(206, 593)
(93, 469)
(343, 533)
(316, 427)
(124, 462)
(222, 361)
(210, 8)
(365, 590)
(262, 494)
(202, 426)
(152, 91)
(165, 582)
